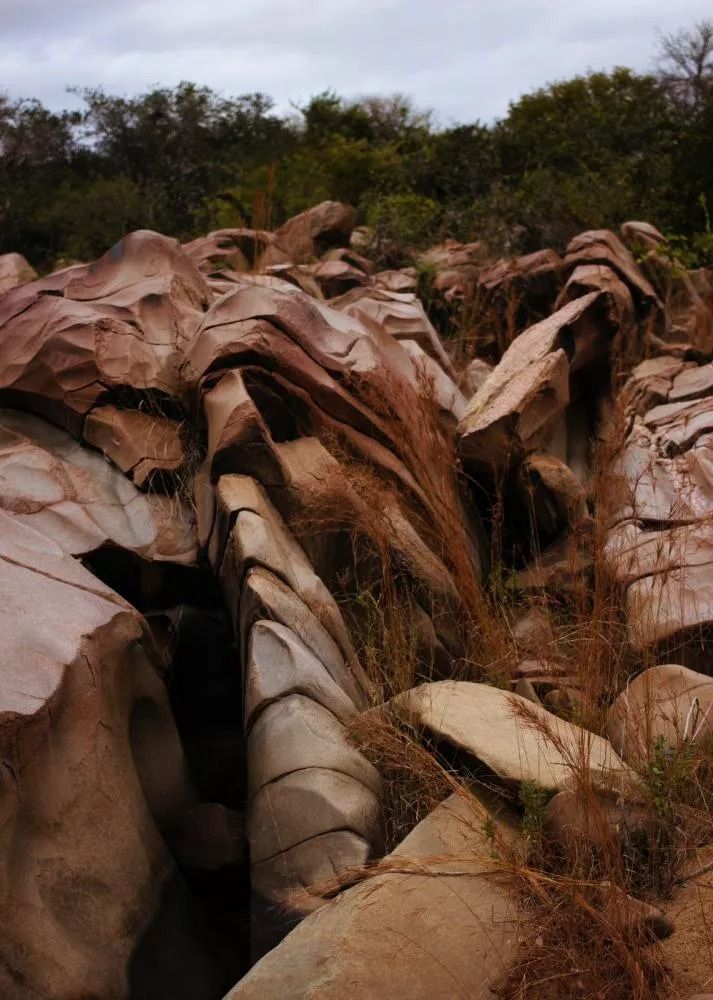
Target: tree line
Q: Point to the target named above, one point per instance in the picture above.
(588, 152)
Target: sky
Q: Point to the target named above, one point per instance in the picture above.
(465, 59)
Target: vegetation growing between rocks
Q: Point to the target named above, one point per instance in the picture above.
(580, 939)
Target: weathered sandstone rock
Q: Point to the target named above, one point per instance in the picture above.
(143, 446)
(641, 235)
(660, 546)
(600, 246)
(14, 271)
(409, 932)
(72, 495)
(119, 322)
(668, 703)
(399, 313)
(83, 711)
(516, 409)
(307, 235)
(516, 739)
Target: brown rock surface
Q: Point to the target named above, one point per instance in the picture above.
(139, 443)
(306, 235)
(205, 406)
(399, 313)
(517, 407)
(659, 544)
(121, 321)
(14, 271)
(83, 710)
(407, 933)
(667, 702)
(600, 246)
(516, 739)
(69, 493)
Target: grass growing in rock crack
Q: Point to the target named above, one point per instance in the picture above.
(575, 942)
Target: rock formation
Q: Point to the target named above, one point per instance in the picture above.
(262, 526)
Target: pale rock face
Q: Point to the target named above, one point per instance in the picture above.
(268, 599)
(473, 376)
(305, 236)
(68, 492)
(669, 703)
(403, 280)
(516, 409)
(280, 665)
(295, 733)
(14, 271)
(600, 246)
(641, 235)
(121, 321)
(516, 739)
(303, 376)
(399, 313)
(406, 934)
(659, 545)
(83, 710)
(601, 278)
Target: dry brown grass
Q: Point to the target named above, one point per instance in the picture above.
(576, 946)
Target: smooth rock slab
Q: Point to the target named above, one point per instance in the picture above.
(518, 405)
(294, 734)
(249, 532)
(280, 665)
(668, 702)
(266, 598)
(447, 932)
(92, 771)
(309, 803)
(532, 746)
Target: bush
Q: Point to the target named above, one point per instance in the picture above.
(403, 222)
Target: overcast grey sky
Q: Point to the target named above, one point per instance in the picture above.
(465, 58)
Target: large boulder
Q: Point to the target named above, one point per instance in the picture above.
(399, 313)
(67, 491)
(121, 322)
(602, 247)
(94, 777)
(516, 739)
(667, 703)
(14, 271)
(314, 802)
(310, 233)
(423, 928)
(517, 409)
(659, 502)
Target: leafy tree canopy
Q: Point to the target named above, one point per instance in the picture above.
(586, 152)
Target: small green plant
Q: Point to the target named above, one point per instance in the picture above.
(533, 799)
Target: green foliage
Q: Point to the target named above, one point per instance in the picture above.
(695, 250)
(93, 215)
(407, 220)
(585, 153)
(588, 152)
(533, 799)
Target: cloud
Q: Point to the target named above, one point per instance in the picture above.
(465, 58)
